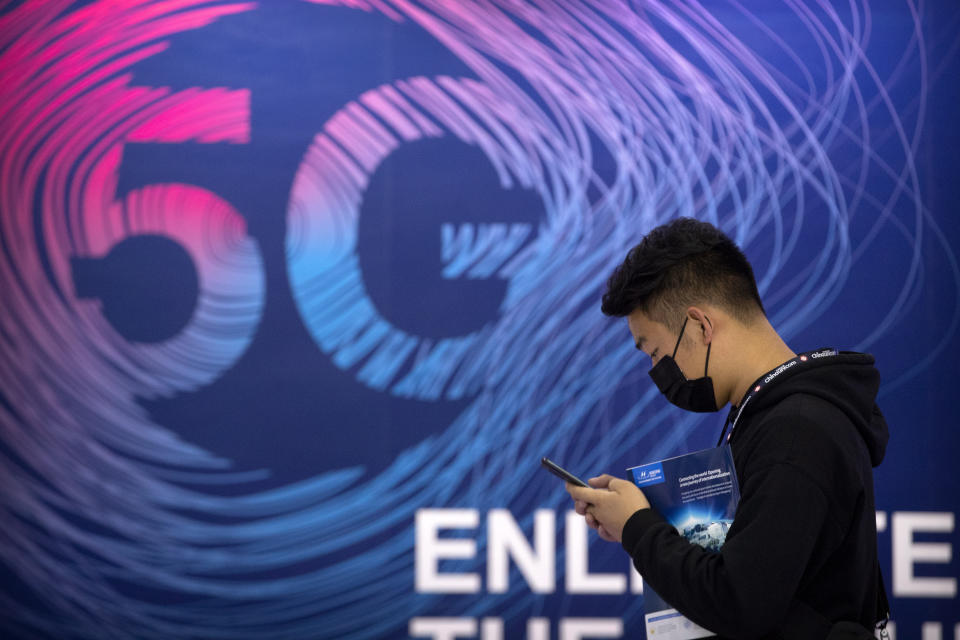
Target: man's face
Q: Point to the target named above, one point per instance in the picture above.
(656, 340)
(651, 337)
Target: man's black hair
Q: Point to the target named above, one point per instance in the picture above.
(682, 263)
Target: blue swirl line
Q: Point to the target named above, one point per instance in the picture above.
(108, 516)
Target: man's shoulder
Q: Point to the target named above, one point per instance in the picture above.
(804, 431)
(801, 416)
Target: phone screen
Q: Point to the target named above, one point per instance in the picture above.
(560, 472)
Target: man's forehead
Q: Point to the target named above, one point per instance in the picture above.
(642, 328)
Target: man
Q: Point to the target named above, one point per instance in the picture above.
(800, 559)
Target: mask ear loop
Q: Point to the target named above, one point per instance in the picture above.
(707, 361)
(679, 338)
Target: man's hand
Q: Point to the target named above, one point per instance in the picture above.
(608, 505)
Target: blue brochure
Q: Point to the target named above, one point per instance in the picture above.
(697, 493)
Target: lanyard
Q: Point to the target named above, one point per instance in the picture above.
(801, 361)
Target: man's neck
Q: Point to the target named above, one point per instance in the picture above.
(762, 355)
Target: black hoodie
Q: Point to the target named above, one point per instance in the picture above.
(802, 549)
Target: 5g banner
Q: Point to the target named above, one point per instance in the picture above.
(295, 295)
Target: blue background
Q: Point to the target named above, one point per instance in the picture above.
(275, 496)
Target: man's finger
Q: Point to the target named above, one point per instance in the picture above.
(621, 486)
(600, 482)
(584, 494)
(616, 483)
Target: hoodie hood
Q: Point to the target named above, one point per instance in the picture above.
(847, 380)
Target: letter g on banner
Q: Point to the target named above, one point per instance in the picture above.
(322, 232)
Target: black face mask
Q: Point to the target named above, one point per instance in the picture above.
(690, 395)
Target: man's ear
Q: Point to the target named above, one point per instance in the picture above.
(699, 316)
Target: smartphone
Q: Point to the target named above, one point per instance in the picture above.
(560, 472)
